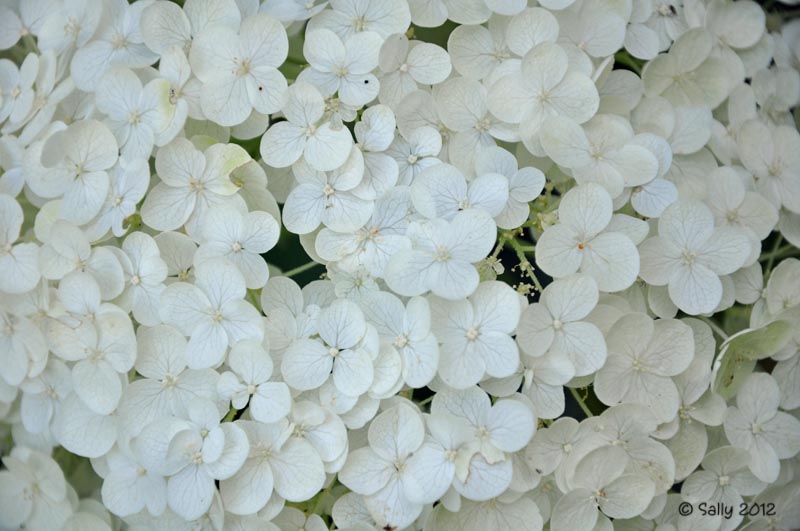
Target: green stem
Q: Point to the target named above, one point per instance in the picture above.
(715, 327)
(771, 260)
(524, 263)
(427, 400)
(300, 269)
(627, 60)
(30, 44)
(580, 402)
(254, 299)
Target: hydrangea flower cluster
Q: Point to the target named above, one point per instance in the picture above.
(553, 279)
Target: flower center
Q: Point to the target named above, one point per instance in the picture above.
(472, 333)
(442, 254)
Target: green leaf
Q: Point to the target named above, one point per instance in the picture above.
(739, 354)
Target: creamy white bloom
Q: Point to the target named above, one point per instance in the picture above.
(557, 323)
(690, 254)
(211, 312)
(441, 191)
(19, 268)
(545, 86)
(372, 245)
(756, 425)
(167, 387)
(308, 363)
(75, 163)
(688, 74)
(241, 239)
(248, 380)
(103, 351)
(305, 133)
(118, 41)
(191, 182)
(524, 184)
(474, 335)
(404, 64)
(33, 491)
(328, 197)
(442, 256)
(642, 356)
(239, 71)
(342, 67)
(347, 18)
(67, 249)
(600, 484)
(379, 471)
(725, 478)
(136, 114)
(585, 240)
(145, 273)
(772, 155)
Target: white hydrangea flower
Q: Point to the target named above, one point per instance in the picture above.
(524, 184)
(42, 396)
(415, 152)
(347, 18)
(601, 151)
(409, 329)
(462, 104)
(442, 256)
(191, 182)
(305, 133)
(328, 197)
(476, 51)
(406, 64)
(136, 114)
(167, 387)
(557, 324)
(145, 273)
(103, 351)
(248, 380)
(688, 74)
(380, 471)
(118, 41)
(193, 453)
(756, 425)
(128, 186)
(165, 24)
(343, 67)
(128, 488)
(725, 478)
(642, 356)
(211, 312)
(474, 335)
(241, 239)
(442, 191)
(67, 249)
(308, 363)
(372, 245)
(19, 262)
(689, 254)
(240, 71)
(585, 240)
(483, 467)
(75, 164)
(16, 87)
(600, 484)
(596, 29)
(545, 86)
(33, 491)
(772, 156)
